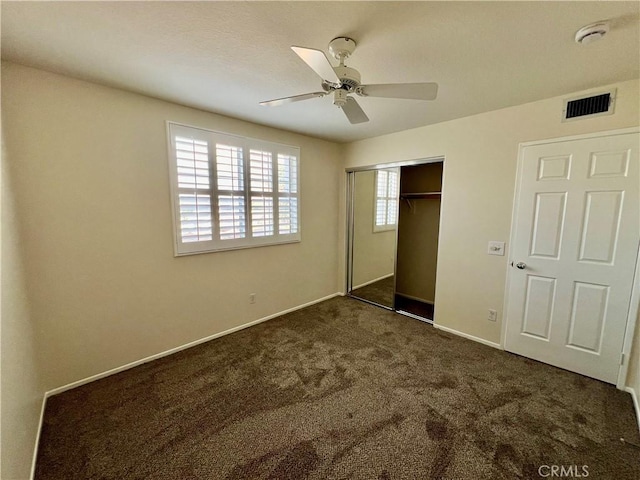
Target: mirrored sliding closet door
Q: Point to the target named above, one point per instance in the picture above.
(394, 219)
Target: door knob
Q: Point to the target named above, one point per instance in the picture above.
(521, 265)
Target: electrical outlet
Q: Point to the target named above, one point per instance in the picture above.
(252, 298)
(493, 315)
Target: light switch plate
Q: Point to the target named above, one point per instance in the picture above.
(496, 248)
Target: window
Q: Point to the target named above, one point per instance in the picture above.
(386, 201)
(231, 192)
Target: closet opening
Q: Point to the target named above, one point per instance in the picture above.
(393, 220)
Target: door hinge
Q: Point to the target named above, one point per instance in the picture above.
(622, 359)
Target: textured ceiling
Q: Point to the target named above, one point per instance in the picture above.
(226, 57)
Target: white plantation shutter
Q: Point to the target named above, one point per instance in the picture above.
(381, 212)
(392, 197)
(287, 194)
(261, 168)
(194, 189)
(229, 165)
(231, 192)
(288, 215)
(262, 216)
(262, 205)
(229, 168)
(195, 217)
(387, 192)
(231, 216)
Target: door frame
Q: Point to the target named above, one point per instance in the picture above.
(634, 303)
(350, 187)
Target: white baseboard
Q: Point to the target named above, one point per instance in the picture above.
(372, 281)
(156, 356)
(469, 337)
(636, 403)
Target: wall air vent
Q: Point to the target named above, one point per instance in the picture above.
(586, 107)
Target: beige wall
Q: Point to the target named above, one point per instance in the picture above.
(22, 387)
(90, 170)
(373, 252)
(481, 154)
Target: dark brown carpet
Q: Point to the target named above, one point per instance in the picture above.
(380, 292)
(339, 390)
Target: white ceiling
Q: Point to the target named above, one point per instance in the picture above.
(225, 57)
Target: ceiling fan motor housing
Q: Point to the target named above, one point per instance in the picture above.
(349, 77)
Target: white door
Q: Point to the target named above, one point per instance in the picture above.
(575, 243)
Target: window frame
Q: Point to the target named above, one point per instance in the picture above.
(214, 138)
(386, 226)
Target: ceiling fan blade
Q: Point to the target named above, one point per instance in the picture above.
(295, 98)
(410, 91)
(318, 62)
(354, 113)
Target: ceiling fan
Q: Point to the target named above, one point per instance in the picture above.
(343, 80)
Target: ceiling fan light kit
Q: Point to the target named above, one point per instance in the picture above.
(342, 81)
(340, 97)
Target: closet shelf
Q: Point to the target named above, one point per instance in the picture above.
(407, 196)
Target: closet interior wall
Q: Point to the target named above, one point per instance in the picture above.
(418, 228)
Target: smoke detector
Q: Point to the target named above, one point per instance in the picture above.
(591, 33)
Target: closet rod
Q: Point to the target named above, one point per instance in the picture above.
(406, 196)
